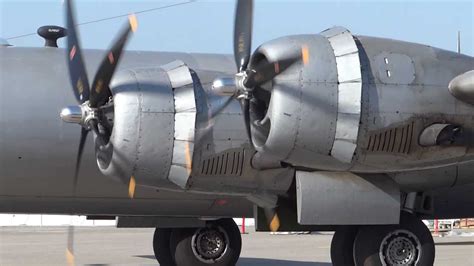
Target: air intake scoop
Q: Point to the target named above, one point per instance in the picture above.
(462, 87)
(51, 34)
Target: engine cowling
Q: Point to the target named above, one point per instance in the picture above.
(164, 137)
(314, 109)
(361, 104)
(153, 130)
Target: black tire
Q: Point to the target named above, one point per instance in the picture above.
(161, 246)
(185, 250)
(342, 246)
(372, 243)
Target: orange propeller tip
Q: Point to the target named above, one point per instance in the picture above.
(305, 54)
(133, 22)
(131, 187)
(69, 257)
(274, 223)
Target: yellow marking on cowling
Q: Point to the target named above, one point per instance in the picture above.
(69, 257)
(274, 223)
(80, 86)
(99, 86)
(241, 43)
(305, 54)
(131, 187)
(188, 158)
(132, 19)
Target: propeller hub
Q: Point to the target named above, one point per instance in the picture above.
(72, 114)
(79, 114)
(225, 86)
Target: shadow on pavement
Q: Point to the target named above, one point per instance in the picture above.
(274, 262)
(262, 262)
(465, 243)
(151, 257)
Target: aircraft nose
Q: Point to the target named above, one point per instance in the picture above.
(154, 125)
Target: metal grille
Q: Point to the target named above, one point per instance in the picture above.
(394, 140)
(228, 163)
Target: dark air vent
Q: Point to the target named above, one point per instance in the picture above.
(394, 140)
(229, 163)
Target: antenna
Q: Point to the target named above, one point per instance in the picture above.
(459, 41)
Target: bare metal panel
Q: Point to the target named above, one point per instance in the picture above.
(352, 102)
(182, 151)
(343, 198)
(184, 122)
(179, 175)
(143, 98)
(339, 149)
(182, 103)
(178, 74)
(462, 87)
(349, 93)
(395, 68)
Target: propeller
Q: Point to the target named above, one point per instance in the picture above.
(91, 98)
(248, 77)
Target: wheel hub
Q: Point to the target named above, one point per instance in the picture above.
(400, 247)
(210, 244)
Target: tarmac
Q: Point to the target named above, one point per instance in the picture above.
(111, 246)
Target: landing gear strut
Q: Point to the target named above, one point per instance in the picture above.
(409, 243)
(219, 244)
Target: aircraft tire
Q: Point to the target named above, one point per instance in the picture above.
(342, 246)
(161, 246)
(409, 243)
(218, 244)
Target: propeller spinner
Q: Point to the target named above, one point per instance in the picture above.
(92, 98)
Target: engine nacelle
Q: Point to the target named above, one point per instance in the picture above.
(361, 104)
(153, 130)
(314, 110)
(163, 135)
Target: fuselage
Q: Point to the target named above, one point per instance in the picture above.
(38, 150)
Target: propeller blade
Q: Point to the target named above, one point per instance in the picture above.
(70, 246)
(243, 33)
(272, 219)
(266, 72)
(100, 87)
(82, 143)
(77, 70)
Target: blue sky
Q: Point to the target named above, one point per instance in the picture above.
(207, 25)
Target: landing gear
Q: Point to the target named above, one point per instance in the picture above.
(161, 246)
(219, 243)
(409, 243)
(342, 246)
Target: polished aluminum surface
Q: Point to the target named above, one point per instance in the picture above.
(349, 93)
(224, 86)
(72, 114)
(462, 87)
(184, 122)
